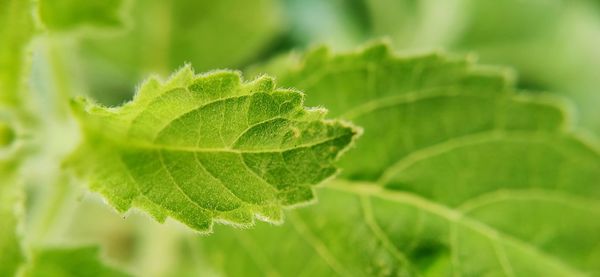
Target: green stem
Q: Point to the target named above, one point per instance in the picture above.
(57, 192)
(48, 218)
(63, 87)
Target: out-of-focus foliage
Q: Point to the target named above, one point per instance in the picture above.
(453, 162)
(64, 15)
(7, 134)
(553, 44)
(16, 29)
(458, 172)
(160, 36)
(10, 198)
(70, 262)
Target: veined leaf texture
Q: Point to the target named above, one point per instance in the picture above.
(473, 178)
(204, 148)
(458, 170)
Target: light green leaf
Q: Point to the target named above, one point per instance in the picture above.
(556, 51)
(423, 100)
(358, 229)
(70, 262)
(16, 29)
(552, 43)
(455, 175)
(204, 148)
(11, 198)
(11, 255)
(64, 15)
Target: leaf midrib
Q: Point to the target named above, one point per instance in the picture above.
(490, 135)
(175, 148)
(407, 98)
(454, 216)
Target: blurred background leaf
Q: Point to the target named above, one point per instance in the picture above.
(105, 48)
(70, 262)
(553, 44)
(62, 15)
(160, 36)
(10, 199)
(16, 28)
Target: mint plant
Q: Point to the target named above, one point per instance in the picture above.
(365, 162)
(209, 147)
(477, 172)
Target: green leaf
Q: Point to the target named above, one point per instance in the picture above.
(16, 29)
(552, 43)
(455, 174)
(65, 15)
(201, 148)
(556, 51)
(423, 100)
(67, 262)
(10, 197)
(359, 229)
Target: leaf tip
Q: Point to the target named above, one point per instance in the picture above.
(377, 49)
(263, 83)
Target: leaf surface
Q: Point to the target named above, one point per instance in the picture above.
(555, 52)
(456, 174)
(10, 197)
(16, 29)
(410, 103)
(11, 190)
(201, 148)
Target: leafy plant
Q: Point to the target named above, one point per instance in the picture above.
(204, 148)
(355, 163)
